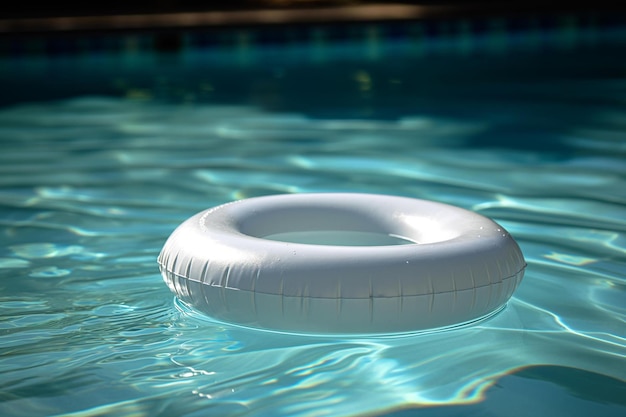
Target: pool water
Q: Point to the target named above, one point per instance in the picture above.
(340, 238)
(104, 154)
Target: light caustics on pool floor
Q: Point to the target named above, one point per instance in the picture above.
(90, 188)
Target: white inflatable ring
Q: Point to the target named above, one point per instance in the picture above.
(459, 266)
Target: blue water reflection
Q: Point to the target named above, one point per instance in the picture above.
(92, 186)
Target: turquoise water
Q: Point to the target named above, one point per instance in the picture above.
(340, 238)
(95, 175)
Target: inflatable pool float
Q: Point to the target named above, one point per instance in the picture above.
(279, 263)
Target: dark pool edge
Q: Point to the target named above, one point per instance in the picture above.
(571, 29)
(334, 13)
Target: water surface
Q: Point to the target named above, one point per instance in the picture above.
(92, 184)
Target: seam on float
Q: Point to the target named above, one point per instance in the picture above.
(351, 298)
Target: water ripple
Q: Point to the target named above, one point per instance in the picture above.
(92, 187)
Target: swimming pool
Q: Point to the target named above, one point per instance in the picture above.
(106, 149)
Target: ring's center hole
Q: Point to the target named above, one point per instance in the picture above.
(340, 238)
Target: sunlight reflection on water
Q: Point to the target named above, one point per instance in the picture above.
(86, 316)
